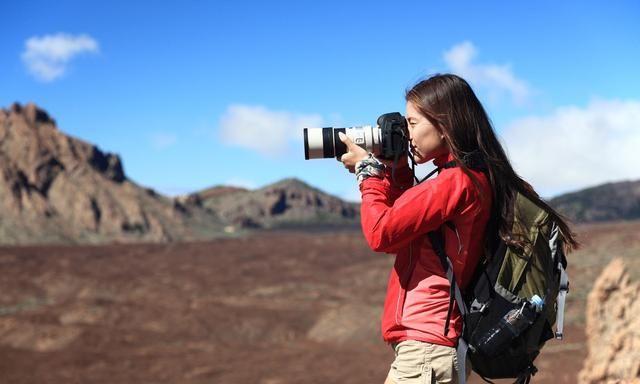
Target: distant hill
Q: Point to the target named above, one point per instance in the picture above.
(607, 202)
(59, 189)
(289, 202)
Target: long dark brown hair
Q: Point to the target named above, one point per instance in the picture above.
(450, 104)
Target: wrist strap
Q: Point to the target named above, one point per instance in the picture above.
(369, 167)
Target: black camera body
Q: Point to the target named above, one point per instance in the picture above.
(395, 137)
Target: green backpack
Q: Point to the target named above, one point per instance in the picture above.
(514, 299)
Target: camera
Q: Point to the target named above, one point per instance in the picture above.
(389, 140)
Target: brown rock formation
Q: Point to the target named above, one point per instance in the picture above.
(56, 188)
(613, 328)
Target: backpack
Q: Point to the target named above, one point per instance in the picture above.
(514, 298)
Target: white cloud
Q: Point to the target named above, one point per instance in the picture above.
(162, 140)
(47, 57)
(497, 78)
(577, 147)
(263, 130)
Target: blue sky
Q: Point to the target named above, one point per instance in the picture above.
(193, 94)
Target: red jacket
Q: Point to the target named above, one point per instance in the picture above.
(397, 221)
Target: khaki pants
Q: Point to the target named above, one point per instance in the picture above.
(418, 362)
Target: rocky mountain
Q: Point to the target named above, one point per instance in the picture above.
(289, 202)
(58, 189)
(607, 202)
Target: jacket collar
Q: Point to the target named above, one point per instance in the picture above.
(441, 160)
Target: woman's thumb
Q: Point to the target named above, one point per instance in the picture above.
(345, 139)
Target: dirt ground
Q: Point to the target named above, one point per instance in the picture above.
(272, 308)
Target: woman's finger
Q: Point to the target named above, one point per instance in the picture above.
(346, 140)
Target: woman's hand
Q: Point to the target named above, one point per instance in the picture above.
(353, 155)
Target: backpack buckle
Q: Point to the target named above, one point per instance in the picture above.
(477, 306)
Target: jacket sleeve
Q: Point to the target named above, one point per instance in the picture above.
(395, 188)
(390, 222)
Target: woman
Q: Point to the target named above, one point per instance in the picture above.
(446, 124)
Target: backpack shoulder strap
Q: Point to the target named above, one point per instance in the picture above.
(437, 242)
(558, 257)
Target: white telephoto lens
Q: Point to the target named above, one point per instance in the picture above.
(314, 143)
(322, 143)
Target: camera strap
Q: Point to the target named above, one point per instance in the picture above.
(396, 158)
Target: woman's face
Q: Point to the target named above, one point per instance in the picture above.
(426, 142)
